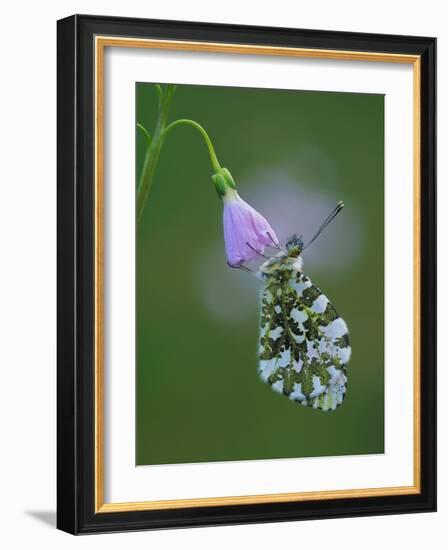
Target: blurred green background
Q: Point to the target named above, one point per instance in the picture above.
(292, 154)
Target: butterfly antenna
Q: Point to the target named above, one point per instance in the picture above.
(329, 219)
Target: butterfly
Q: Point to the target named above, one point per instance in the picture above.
(304, 345)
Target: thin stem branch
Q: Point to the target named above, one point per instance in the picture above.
(159, 93)
(145, 133)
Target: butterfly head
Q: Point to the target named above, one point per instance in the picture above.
(294, 246)
(288, 259)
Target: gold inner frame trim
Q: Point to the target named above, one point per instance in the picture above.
(101, 42)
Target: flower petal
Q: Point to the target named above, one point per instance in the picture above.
(246, 231)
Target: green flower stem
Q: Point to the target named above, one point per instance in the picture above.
(211, 150)
(154, 145)
(153, 150)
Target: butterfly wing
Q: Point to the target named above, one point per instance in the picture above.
(304, 345)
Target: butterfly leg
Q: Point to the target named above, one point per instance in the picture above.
(243, 268)
(257, 251)
(274, 245)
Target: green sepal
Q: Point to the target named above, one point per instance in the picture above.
(224, 182)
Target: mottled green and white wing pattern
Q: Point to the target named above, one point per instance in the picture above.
(304, 345)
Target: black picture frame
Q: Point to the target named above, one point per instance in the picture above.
(76, 264)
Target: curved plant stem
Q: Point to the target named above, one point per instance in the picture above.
(155, 144)
(188, 122)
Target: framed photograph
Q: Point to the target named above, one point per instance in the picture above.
(246, 274)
